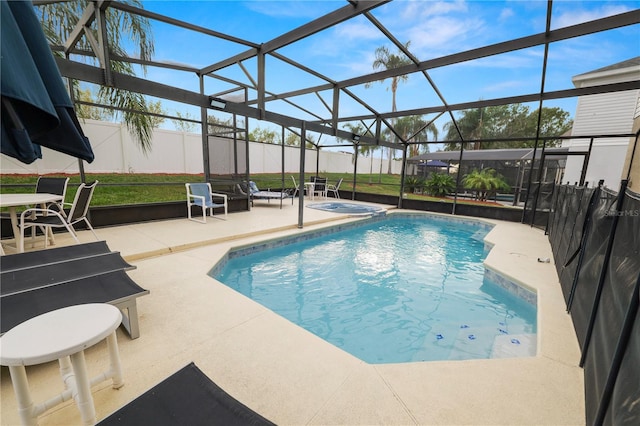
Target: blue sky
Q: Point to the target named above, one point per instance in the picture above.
(434, 28)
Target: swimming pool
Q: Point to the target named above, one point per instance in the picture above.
(400, 288)
(347, 208)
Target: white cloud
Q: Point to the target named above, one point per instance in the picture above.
(357, 30)
(442, 34)
(291, 9)
(506, 14)
(574, 16)
(420, 9)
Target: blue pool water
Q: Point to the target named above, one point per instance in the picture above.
(347, 208)
(398, 289)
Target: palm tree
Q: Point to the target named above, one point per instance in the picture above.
(415, 129)
(365, 150)
(484, 182)
(471, 125)
(387, 60)
(59, 19)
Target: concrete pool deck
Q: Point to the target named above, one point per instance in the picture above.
(292, 377)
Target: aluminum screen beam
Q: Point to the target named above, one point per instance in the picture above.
(604, 24)
(91, 74)
(328, 125)
(613, 22)
(343, 14)
(182, 24)
(534, 97)
(85, 21)
(96, 75)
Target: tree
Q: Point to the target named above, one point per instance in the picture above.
(364, 150)
(88, 111)
(264, 135)
(505, 122)
(59, 19)
(293, 139)
(106, 114)
(219, 127)
(414, 129)
(554, 122)
(182, 124)
(156, 108)
(387, 60)
(484, 182)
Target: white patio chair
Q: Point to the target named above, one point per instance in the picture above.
(52, 185)
(334, 188)
(49, 218)
(296, 187)
(201, 195)
(299, 188)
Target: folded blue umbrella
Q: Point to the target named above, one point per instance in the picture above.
(36, 108)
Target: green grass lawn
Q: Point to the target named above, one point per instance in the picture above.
(113, 189)
(122, 189)
(125, 188)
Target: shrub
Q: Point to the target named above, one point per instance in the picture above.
(439, 184)
(413, 184)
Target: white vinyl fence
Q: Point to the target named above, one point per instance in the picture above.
(180, 152)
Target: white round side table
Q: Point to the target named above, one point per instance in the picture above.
(62, 335)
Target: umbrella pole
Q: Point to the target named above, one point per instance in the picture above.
(83, 178)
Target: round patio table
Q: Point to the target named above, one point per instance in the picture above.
(62, 335)
(11, 201)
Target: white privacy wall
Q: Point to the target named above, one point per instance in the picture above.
(181, 152)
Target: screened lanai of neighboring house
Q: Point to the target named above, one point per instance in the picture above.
(513, 164)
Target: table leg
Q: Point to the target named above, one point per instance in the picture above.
(48, 232)
(114, 361)
(16, 229)
(66, 372)
(21, 388)
(84, 400)
(310, 187)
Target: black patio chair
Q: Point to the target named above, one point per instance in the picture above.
(53, 185)
(319, 186)
(47, 219)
